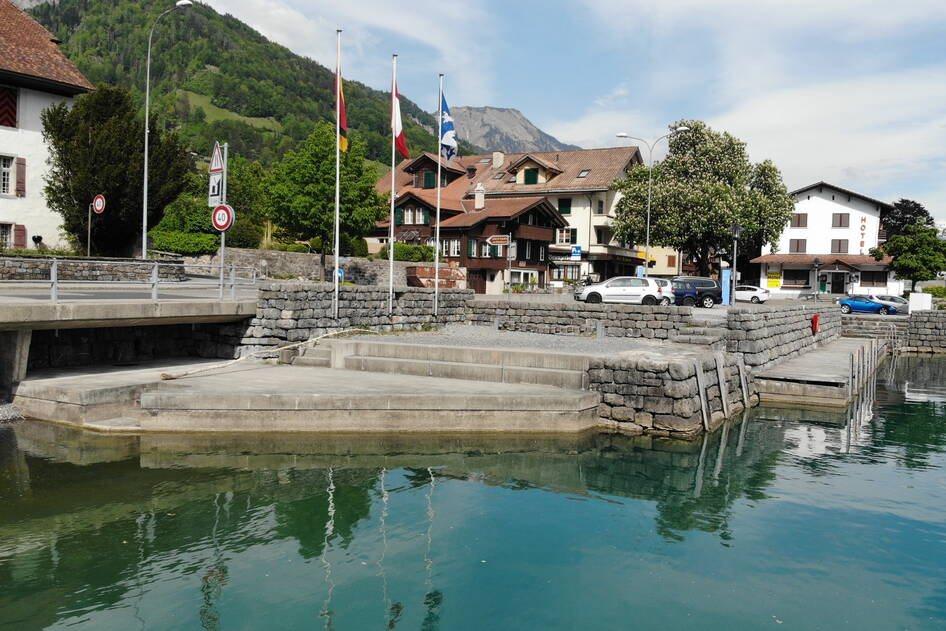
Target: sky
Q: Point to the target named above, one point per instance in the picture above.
(852, 92)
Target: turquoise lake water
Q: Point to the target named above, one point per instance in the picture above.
(790, 519)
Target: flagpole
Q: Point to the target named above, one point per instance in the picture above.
(338, 123)
(439, 165)
(393, 190)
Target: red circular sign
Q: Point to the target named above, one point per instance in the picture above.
(98, 204)
(222, 217)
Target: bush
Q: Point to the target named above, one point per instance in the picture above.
(405, 252)
(244, 234)
(297, 247)
(938, 292)
(185, 243)
(359, 247)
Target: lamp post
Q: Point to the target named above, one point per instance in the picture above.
(180, 4)
(650, 184)
(736, 231)
(818, 263)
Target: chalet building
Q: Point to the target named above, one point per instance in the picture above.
(34, 75)
(826, 246)
(570, 233)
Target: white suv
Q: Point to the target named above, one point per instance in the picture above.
(627, 289)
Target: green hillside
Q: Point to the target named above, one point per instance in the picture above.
(214, 77)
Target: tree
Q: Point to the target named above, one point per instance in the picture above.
(703, 187)
(918, 253)
(904, 213)
(96, 148)
(301, 190)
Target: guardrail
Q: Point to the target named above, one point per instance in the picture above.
(222, 278)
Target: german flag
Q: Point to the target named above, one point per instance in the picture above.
(342, 119)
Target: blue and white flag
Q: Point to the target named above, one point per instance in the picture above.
(448, 136)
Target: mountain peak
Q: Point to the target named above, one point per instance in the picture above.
(503, 129)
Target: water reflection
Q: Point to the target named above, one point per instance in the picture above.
(102, 530)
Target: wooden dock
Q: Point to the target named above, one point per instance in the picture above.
(831, 376)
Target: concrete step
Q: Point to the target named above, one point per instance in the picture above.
(705, 331)
(508, 357)
(314, 356)
(566, 379)
(701, 340)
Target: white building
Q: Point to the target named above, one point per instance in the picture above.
(826, 246)
(34, 75)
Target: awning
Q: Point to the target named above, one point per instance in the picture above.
(845, 262)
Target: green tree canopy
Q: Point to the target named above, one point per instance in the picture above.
(918, 253)
(301, 190)
(704, 186)
(97, 147)
(905, 213)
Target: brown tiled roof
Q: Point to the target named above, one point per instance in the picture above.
(29, 51)
(506, 208)
(853, 260)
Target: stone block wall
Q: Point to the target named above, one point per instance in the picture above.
(83, 269)
(662, 396)
(927, 332)
(294, 312)
(581, 319)
(768, 334)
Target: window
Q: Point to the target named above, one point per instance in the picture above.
(471, 248)
(672, 260)
(484, 249)
(600, 209)
(566, 272)
(531, 219)
(528, 250)
(795, 277)
(484, 160)
(7, 107)
(568, 236)
(531, 176)
(454, 247)
(841, 220)
(874, 279)
(430, 179)
(499, 175)
(541, 252)
(6, 235)
(565, 205)
(799, 220)
(408, 216)
(6, 174)
(584, 173)
(797, 246)
(602, 236)
(838, 246)
(511, 180)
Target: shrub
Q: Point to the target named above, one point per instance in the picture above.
(405, 252)
(297, 247)
(185, 243)
(359, 247)
(938, 292)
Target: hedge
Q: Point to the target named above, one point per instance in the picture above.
(186, 243)
(405, 252)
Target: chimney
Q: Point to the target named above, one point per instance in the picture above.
(479, 197)
(471, 172)
(498, 159)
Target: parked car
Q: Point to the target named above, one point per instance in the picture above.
(696, 291)
(865, 304)
(627, 289)
(901, 304)
(751, 293)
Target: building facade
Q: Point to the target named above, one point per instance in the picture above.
(34, 75)
(826, 246)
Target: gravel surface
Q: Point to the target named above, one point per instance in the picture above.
(9, 413)
(482, 336)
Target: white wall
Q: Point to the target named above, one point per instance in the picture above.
(26, 141)
(820, 207)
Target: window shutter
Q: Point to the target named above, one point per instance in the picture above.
(470, 247)
(21, 177)
(430, 179)
(493, 251)
(7, 107)
(398, 216)
(426, 216)
(19, 237)
(574, 235)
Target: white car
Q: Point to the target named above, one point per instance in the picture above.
(902, 304)
(751, 293)
(627, 289)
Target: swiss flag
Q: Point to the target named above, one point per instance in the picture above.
(396, 125)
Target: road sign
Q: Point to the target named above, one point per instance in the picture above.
(576, 253)
(222, 217)
(499, 239)
(215, 192)
(511, 252)
(98, 204)
(216, 160)
(341, 274)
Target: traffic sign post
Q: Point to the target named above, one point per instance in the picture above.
(98, 205)
(223, 215)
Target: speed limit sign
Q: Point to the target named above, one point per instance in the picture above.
(223, 217)
(98, 204)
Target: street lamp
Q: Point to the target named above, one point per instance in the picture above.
(650, 184)
(180, 4)
(736, 231)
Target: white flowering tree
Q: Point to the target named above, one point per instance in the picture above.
(704, 186)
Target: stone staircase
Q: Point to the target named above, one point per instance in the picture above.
(703, 333)
(563, 370)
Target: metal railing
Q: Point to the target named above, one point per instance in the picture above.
(225, 279)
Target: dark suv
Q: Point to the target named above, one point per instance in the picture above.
(696, 291)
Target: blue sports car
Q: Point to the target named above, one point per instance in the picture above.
(865, 304)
